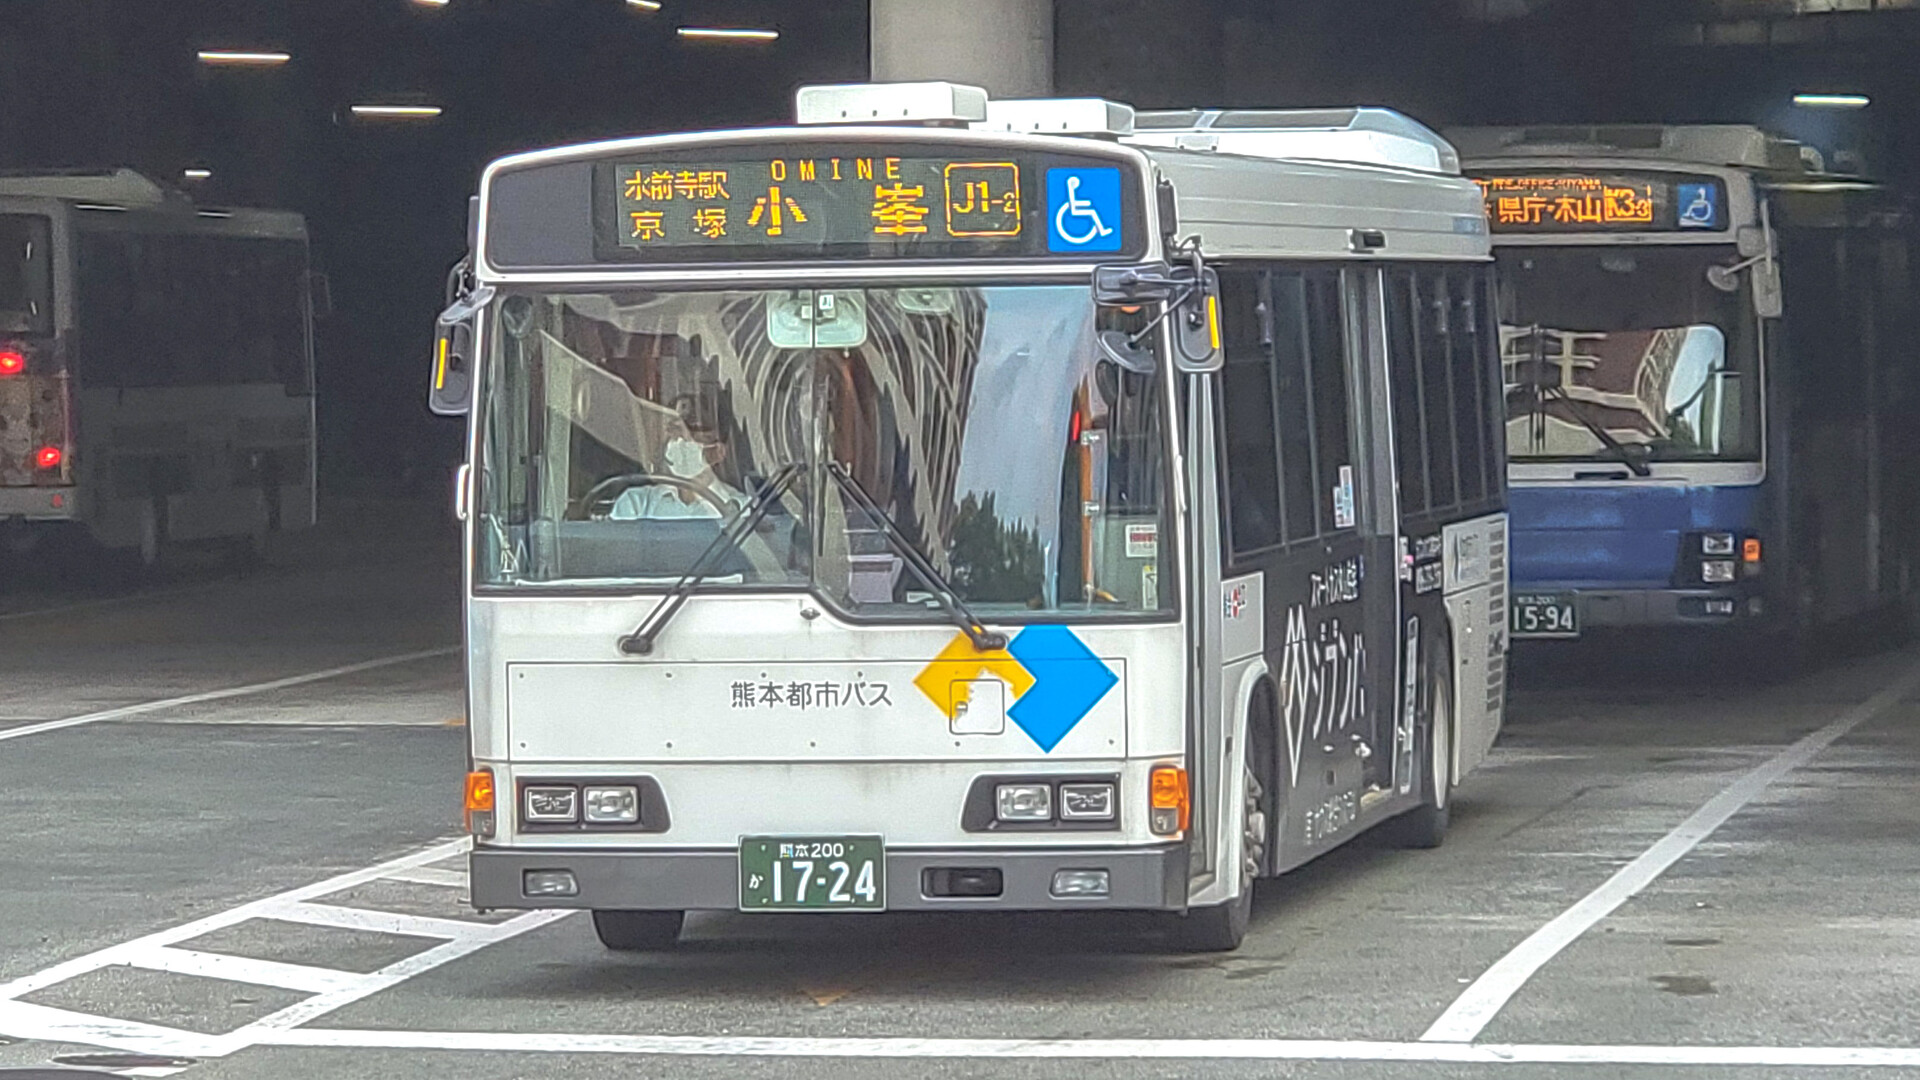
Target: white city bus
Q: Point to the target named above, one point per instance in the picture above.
(880, 513)
(155, 367)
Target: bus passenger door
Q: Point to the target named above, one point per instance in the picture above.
(1333, 595)
(1388, 745)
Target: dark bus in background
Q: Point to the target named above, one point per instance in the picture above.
(156, 369)
(1708, 355)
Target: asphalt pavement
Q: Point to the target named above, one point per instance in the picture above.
(229, 809)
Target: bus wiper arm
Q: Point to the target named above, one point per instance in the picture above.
(1615, 446)
(984, 640)
(735, 530)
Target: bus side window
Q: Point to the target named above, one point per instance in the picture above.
(1464, 373)
(1293, 389)
(108, 343)
(1493, 419)
(1327, 364)
(1409, 426)
(1252, 464)
(1436, 389)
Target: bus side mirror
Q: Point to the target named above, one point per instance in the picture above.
(1145, 283)
(1767, 300)
(1196, 327)
(451, 391)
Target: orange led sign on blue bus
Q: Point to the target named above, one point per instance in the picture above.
(1575, 202)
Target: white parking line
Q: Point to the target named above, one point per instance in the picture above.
(124, 711)
(330, 989)
(1482, 1001)
(1188, 1049)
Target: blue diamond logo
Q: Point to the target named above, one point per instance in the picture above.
(1068, 681)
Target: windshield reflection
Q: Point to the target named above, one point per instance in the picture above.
(1630, 347)
(624, 429)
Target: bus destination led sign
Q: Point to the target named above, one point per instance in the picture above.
(1562, 202)
(814, 200)
(851, 202)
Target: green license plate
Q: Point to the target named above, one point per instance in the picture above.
(813, 873)
(1543, 615)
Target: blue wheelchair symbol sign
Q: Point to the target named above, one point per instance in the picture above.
(1083, 210)
(1697, 206)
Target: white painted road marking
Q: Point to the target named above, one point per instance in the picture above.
(124, 711)
(1482, 1001)
(331, 989)
(1190, 1049)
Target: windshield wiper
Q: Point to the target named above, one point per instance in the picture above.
(735, 530)
(984, 640)
(1618, 448)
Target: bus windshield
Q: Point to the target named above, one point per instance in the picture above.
(1613, 352)
(624, 429)
(26, 286)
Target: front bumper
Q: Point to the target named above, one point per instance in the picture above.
(1605, 608)
(1151, 879)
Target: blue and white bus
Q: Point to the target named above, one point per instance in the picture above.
(1707, 348)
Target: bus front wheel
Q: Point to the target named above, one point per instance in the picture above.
(638, 931)
(1222, 927)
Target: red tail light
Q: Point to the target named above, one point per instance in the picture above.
(12, 362)
(49, 457)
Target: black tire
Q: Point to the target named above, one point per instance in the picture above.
(638, 931)
(1222, 927)
(1425, 826)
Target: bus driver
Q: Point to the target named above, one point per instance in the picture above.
(694, 447)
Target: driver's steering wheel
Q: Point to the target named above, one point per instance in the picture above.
(584, 504)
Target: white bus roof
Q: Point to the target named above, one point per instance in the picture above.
(1738, 146)
(117, 187)
(1310, 183)
(1357, 136)
(1251, 184)
(124, 193)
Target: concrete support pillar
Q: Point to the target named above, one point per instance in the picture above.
(1003, 45)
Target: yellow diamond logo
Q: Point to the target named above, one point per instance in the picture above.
(945, 680)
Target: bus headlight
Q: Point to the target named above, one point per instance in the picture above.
(549, 804)
(1086, 802)
(611, 805)
(1716, 544)
(1023, 802)
(1717, 571)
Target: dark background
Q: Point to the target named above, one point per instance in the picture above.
(116, 82)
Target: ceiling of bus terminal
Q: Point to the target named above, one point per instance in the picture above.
(111, 82)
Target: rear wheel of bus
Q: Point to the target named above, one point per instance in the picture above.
(638, 931)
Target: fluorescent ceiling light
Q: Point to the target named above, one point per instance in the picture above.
(216, 213)
(409, 111)
(241, 56)
(1831, 101)
(645, 5)
(431, 3)
(710, 33)
(99, 206)
(196, 174)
